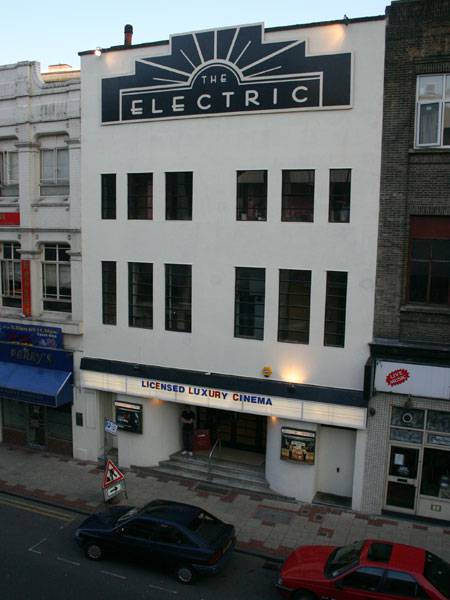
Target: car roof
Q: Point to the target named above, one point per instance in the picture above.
(166, 510)
(393, 556)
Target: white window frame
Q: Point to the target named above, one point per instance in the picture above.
(441, 102)
(8, 274)
(5, 168)
(57, 297)
(54, 180)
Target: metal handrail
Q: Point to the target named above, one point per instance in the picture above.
(218, 442)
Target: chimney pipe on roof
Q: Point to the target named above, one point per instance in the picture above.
(128, 35)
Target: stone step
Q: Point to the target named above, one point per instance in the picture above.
(233, 470)
(200, 471)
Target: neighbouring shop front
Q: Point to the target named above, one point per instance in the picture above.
(35, 387)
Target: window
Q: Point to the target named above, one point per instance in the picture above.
(251, 196)
(140, 195)
(335, 307)
(429, 260)
(366, 578)
(249, 303)
(140, 295)
(178, 297)
(401, 584)
(433, 110)
(294, 306)
(298, 196)
(56, 278)
(54, 171)
(9, 174)
(179, 196)
(11, 275)
(109, 293)
(109, 196)
(340, 188)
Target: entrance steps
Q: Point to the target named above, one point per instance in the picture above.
(223, 473)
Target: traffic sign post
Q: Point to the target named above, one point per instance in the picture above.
(113, 481)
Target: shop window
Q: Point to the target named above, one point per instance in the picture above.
(366, 578)
(408, 417)
(429, 260)
(109, 293)
(54, 171)
(433, 111)
(140, 295)
(11, 275)
(436, 473)
(140, 196)
(249, 303)
(438, 420)
(339, 201)
(178, 297)
(109, 196)
(59, 422)
(294, 306)
(179, 196)
(9, 174)
(298, 196)
(14, 414)
(251, 196)
(406, 435)
(56, 279)
(335, 309)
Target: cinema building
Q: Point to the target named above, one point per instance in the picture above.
(230, 200)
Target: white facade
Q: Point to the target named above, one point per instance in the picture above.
(214, 148)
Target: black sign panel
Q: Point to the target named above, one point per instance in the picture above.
(227, 71)
(129, 416)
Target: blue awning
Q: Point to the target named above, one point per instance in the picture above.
(35, 385)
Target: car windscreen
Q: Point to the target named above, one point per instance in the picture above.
(437, 572)
(130, 513)
(343, 558)
(206, 526)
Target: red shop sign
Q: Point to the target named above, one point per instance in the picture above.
(397, 377)
(10, 218)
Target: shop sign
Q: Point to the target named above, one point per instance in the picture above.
(129, 416)
(33, 356)
(227, 71)
(412, 379)
(31, 335)
(9, 218)
(298, 445)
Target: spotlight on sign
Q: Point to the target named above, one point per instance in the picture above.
(98, 51)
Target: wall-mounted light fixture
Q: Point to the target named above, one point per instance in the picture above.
(98, 51)
(267, 371)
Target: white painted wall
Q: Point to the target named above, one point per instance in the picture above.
(336, 457)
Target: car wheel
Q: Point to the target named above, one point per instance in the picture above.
(302, 595)
(93, 550)
(185, 574)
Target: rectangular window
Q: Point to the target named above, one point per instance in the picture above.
(429, 260)
(340, 189)
(140, 196)
(109, 293)
(298, 196)
(54, 171)
(251, 196)
(178, 297)
(9, 174)
(249, 303)
(294, 306)
(56, 278)
(179, 196)
(109, 196)
(140, 295)
(433, 110)
(11, 275)
(335, 308)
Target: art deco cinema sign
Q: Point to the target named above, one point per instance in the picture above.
(227, 71)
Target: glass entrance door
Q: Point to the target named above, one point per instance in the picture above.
(36, 433)
(402, 478)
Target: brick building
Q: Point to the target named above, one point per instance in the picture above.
(408, 451)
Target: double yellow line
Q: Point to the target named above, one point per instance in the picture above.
(35, 507)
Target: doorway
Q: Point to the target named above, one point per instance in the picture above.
(36, 426)
(336, 460)
(240, 431)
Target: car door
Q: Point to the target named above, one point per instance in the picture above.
(400, 585)
(361, 584)
(134, 538)
(169, 545)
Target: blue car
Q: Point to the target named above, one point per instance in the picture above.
(183, 537)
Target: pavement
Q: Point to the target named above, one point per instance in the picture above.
(265, 526)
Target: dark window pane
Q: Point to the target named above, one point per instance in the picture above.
(298, 196)
(400, 584)
(109, 196)
(418, 281)
(140, 295)
(340, 190)
(11, 275)
(367, 578)
(178, 297)
(436, 473)
(251, 196)
(438, 420)
(109, 300)
(56, 279)
(140, 195)
(421, 249)
(429, 123)
(294, 306)
(335, 309)
(179, 196)
(429, 270)
(249, 303)
(408, 417)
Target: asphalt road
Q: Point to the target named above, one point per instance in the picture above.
(39, 560)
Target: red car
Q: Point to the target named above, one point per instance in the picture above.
(368, 570)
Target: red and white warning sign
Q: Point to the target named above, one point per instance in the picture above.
(112, 474)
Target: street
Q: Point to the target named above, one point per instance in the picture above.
(41, 561)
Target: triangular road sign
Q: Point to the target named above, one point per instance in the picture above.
(112, 474)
